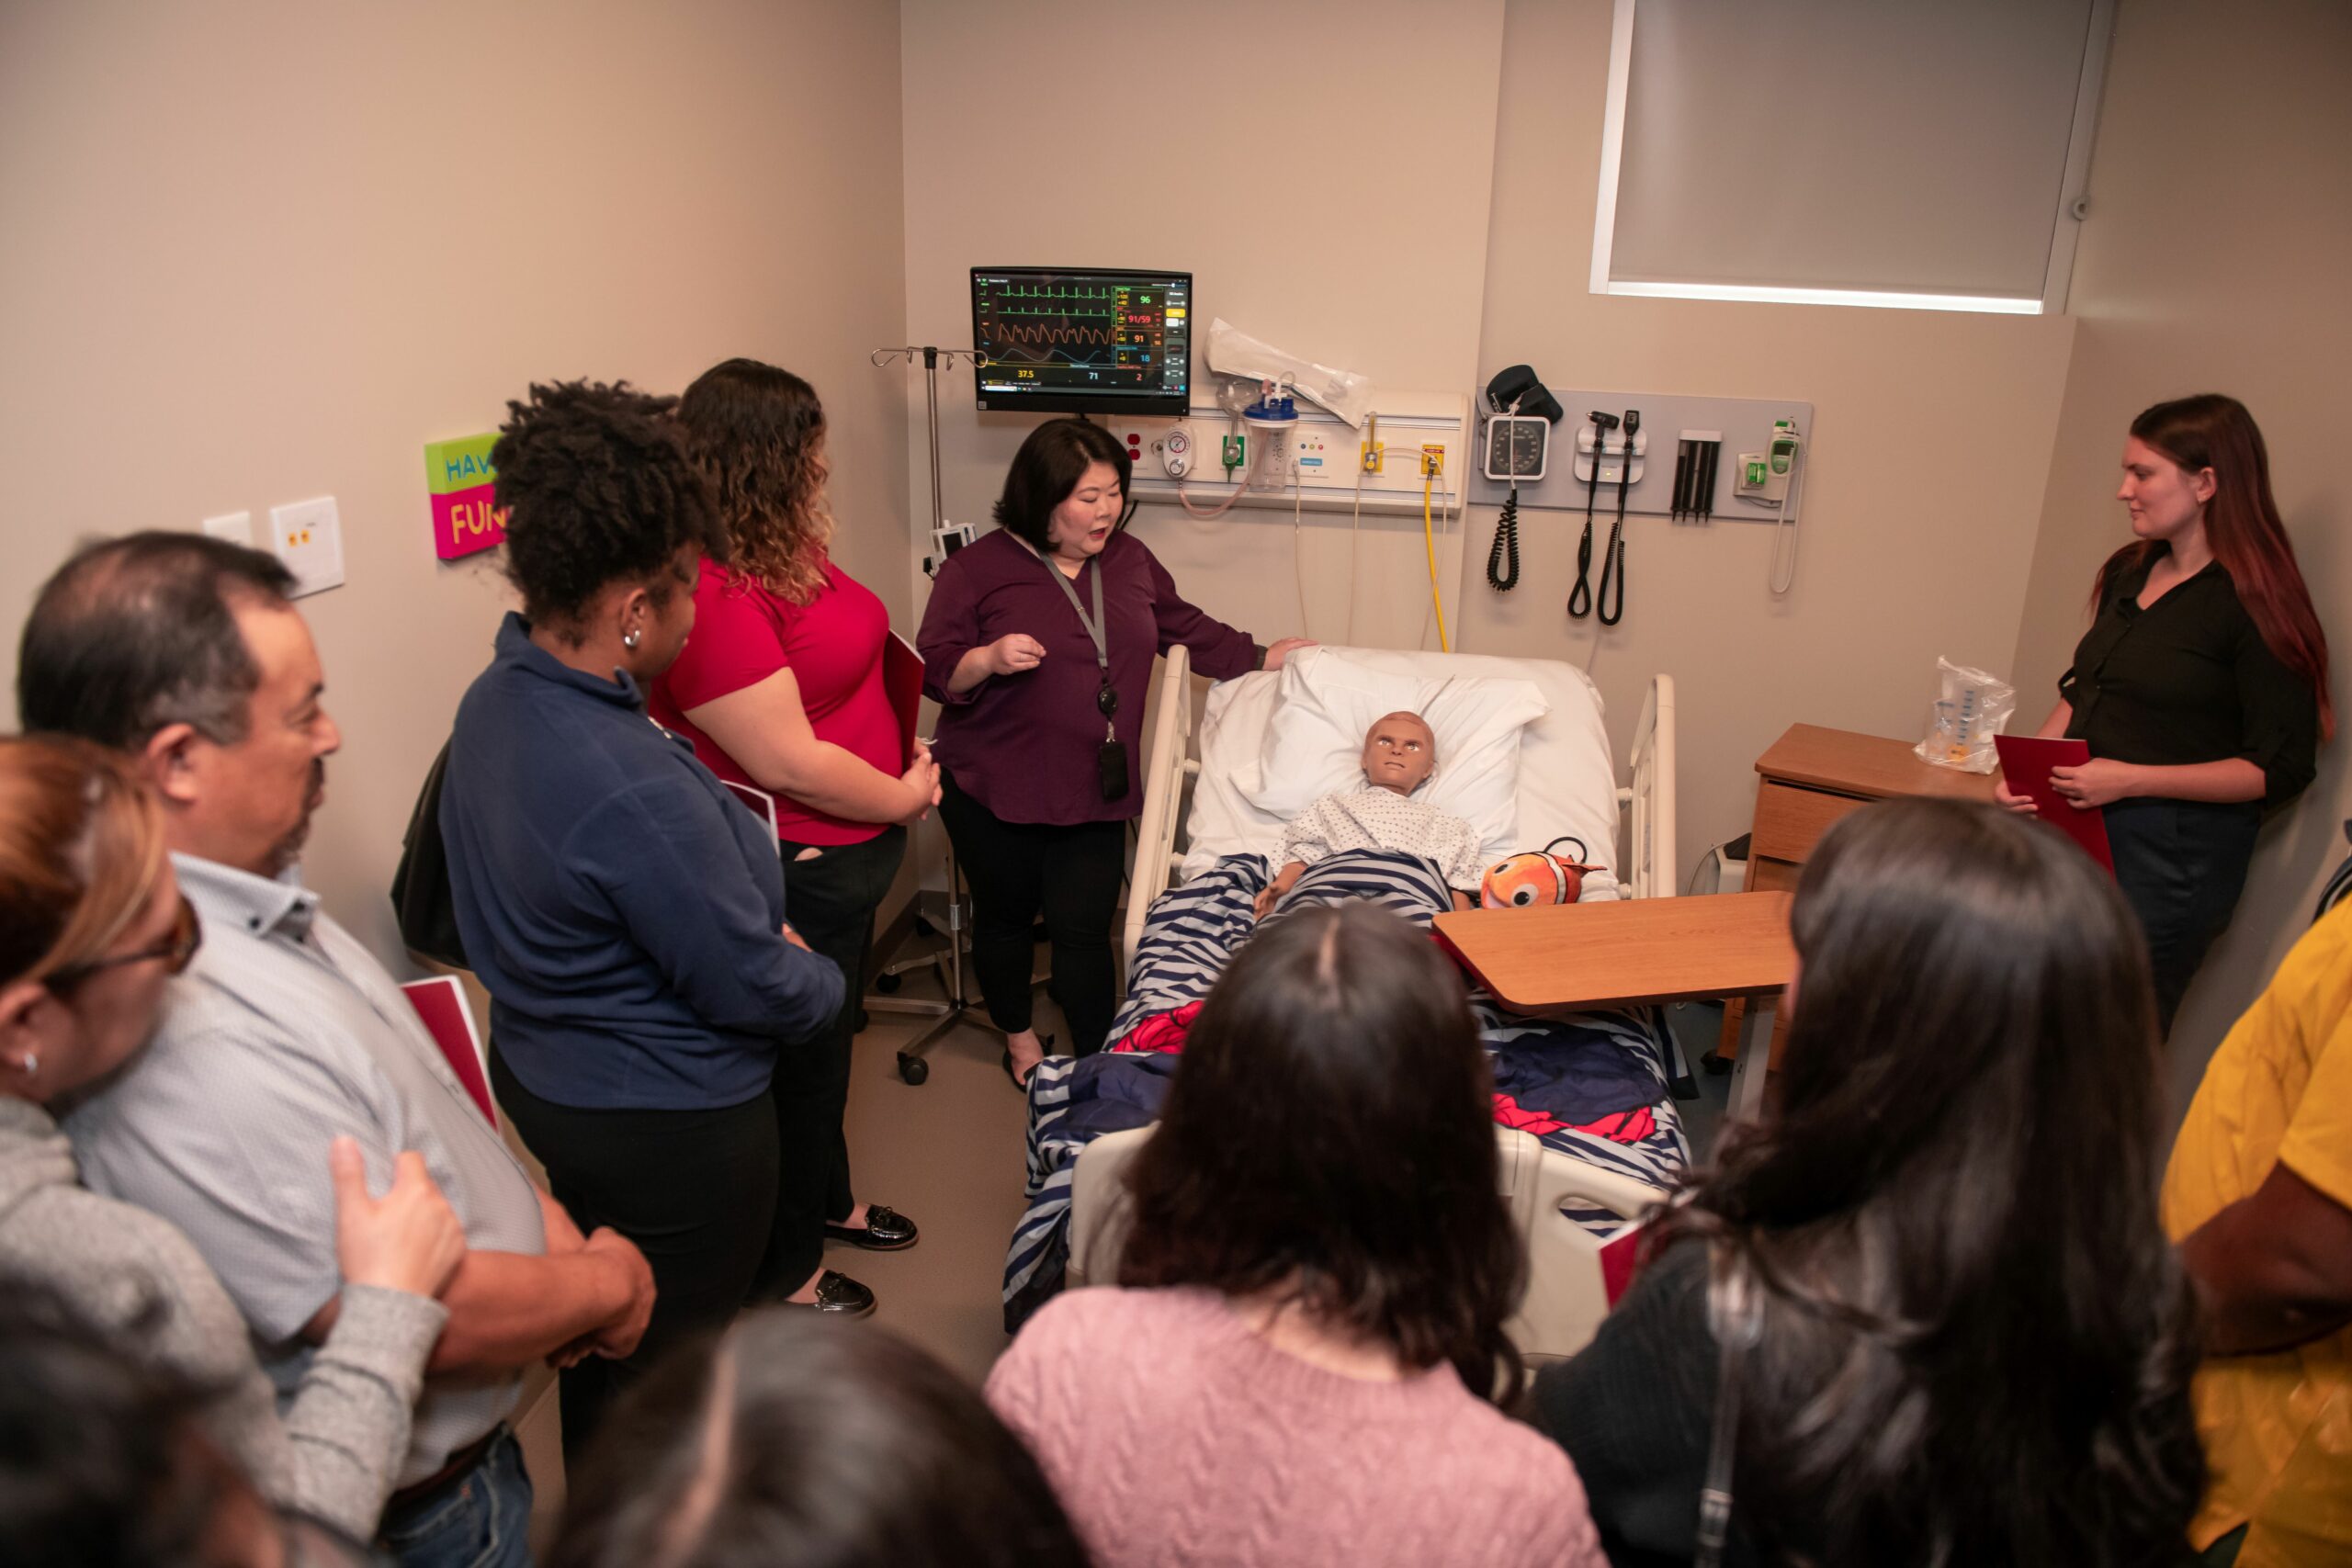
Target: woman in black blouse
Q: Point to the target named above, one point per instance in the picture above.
(2201, 685)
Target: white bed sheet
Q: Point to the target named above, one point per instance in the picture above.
(1567, 780)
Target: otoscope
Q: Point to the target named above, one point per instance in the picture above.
(1612, 560)
(1581, 596)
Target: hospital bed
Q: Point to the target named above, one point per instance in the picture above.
(1566, 1201)
(1566, 783)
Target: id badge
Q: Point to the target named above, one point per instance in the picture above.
(1112, 761)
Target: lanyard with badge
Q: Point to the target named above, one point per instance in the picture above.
(1110, 760)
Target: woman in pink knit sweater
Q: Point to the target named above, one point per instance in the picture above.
(1311, 1303)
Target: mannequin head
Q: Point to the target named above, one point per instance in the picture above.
(1400, 752)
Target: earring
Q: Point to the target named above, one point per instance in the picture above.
(32, 1065)
(628, 639)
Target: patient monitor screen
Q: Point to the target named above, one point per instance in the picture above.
(1057, 341)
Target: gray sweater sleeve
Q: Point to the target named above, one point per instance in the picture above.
(335, 1450)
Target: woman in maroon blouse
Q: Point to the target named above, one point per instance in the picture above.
(1041, 721)
(780, 687)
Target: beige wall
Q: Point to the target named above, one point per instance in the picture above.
(257, 252)
(1907, 552)
(2214, 260)
(1321, 169)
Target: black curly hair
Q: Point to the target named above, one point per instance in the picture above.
(598, 490)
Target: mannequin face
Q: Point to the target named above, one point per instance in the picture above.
(1081, 524)
(1400, 752)
(80, 1031)
(2165, 499)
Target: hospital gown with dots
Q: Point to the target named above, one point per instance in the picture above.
(1382, 819)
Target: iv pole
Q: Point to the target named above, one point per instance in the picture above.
(947, 961)
(933, 361)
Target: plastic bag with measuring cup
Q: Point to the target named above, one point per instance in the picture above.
(1972, 707)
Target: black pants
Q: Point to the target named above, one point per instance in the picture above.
(1019, 870)
(829, 898)
(2181, 864)
(695, 1190)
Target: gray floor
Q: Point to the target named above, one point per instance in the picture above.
(949, 1155)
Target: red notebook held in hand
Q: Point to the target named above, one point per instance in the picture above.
(2026, 762)
(902, 678)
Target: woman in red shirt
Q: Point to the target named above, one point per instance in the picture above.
(780, 687)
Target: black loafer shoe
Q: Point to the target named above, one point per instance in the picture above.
(838, 1294)
(886, 1230)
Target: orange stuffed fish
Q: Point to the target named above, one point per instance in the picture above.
(1535, 876)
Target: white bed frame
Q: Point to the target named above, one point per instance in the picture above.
(1566, 1296)
(1645, 862)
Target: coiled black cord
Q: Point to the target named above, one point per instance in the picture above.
(1506, 547)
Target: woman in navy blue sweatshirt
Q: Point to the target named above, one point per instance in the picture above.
(625, 912)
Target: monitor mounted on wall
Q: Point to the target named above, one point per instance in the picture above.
(1082, 340)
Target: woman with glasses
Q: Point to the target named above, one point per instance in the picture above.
(92, 927)
(1037, 644)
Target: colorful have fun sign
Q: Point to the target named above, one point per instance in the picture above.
(464, 512)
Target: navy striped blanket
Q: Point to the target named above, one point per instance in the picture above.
(1594, 1086)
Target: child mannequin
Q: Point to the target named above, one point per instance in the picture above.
(1399, 755)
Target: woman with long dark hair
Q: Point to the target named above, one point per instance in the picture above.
(1957, 1333)
(781, 688)
(2201, 685)
(1296, 1363)
(1037, 644)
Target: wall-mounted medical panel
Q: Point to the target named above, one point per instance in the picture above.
(1661, 485)
(1323, 457)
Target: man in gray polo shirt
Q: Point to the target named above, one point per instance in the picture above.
(185, 652)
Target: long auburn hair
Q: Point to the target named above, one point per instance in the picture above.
(2242, 523)
(82, 842)
(758, 434)
(1330, 1138)
(1976, 1341)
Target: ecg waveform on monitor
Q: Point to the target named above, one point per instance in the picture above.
(1043, 337)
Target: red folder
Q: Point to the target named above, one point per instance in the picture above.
(1619, 1256)
(2026, 762)
(902, 678)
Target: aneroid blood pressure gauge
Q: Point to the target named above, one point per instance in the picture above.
(1518, 446)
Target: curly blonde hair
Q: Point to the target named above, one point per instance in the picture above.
(758, 434)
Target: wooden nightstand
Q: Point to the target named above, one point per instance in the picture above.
(1808, 779)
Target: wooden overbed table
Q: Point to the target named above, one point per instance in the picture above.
(1567, 958)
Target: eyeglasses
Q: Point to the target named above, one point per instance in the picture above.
(177, 950)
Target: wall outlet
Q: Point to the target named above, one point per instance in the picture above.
(1373, 456)
(1433, 459)
(308, 537)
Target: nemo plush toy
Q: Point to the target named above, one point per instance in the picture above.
(1535, 876)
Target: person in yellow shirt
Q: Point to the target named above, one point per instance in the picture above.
(2259, 1194)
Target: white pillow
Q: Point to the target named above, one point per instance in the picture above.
(1314, 743)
